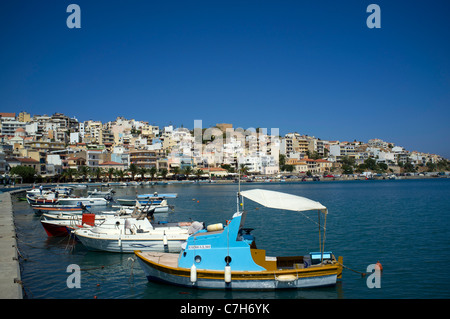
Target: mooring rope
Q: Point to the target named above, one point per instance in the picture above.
(358, 272)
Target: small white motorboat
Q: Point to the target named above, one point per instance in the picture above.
(155, 201)
(97, 193)
(125, 235)
(86, 201)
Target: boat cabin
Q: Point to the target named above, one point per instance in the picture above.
(215, 247)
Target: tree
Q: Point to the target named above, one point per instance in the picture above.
(431, 166)
(68, 174)
(133, 169)
(360, 168)
(243, 169)
(152, 172)
(163, 173)
(175, 170)
(408, 167)
(346, 160)
(119, 173)
(370, 163)
(187, 171)
(111, 172)
(228, 167)
(443, 165)
(347, 169)
(282, 160)
(97, 173)
(198, 173)
(142, 171)
(26, 172)
(347, 164)
(83, 171)
(289, 168)
(313, 155)
(383, 167)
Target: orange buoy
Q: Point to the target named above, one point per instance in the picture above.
(198, 201)
(379, 265)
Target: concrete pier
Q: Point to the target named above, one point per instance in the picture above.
(10, 280)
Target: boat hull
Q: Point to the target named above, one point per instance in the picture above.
(85, 201)
(41, 201)
(157, 208)
(56, 209)
(244, 280)
(129, 243)
(54, 230)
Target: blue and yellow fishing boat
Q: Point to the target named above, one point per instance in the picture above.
(226, 257)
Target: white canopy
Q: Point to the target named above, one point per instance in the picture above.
(280, 200)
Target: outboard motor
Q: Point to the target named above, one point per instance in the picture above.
(195, 227)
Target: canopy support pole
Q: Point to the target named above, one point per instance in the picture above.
(320, 236)
(324, 233)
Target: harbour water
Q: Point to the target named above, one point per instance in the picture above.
(403, 224)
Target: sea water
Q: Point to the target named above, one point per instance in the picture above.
(403, 224)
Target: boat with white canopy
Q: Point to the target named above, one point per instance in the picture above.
(226, 256)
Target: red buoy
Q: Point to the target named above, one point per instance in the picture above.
(379, 266)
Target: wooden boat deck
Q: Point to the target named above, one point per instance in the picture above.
(166, 259)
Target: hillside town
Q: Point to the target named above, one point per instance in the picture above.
(60, 148)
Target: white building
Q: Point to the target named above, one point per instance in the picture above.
(260, 164)
(386, 157)
(74, 138)
(10, 127)
(339, 150)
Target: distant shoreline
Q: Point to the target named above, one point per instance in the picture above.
(225, 181)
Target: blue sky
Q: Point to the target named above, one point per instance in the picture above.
(313, 67)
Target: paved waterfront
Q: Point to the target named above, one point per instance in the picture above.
(9, 264)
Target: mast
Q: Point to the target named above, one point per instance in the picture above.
(239, 191)
(322, 241)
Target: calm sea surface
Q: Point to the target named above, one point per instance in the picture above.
(404, 224)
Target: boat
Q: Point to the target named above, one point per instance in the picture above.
(58, 209)
(116, 184)
(125, 235)
(37, 192)
(55, 227)
(49, 199)
(86, 201)
(155, 200)
(155, 195)
(226, 257)
(63, 224)
(97, 193)
(62, 190)
(134, 183)
(79, 186)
